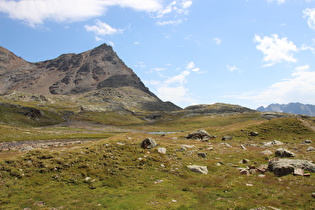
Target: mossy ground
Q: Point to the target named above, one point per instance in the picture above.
(115, 173)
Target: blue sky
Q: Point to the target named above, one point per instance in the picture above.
(245, 52)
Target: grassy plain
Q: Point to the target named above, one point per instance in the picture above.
(113, 172)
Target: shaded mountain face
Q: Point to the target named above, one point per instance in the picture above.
(293, 108)
(72, 74)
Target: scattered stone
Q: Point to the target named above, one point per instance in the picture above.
(310, 149)
(262, 168)
(210, 149)
(243, 147)
(174, 201)
(162, 165)
(158, 181)
(282, 167)
(245, 161)
(308, 141)
(249, 185)
(284, 153)
(273, 143)
(266, 152)
(182, 149)
(224, 138)
(202, 154)
(261, 175)
(198, 169)
(200, 134)
(148, 143)
(161, 150)
(120, 143)
(253, 133)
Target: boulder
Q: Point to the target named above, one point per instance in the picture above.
(284, 153)
(266, 152)
(253, 133)
(224, 138)
(148, 143)
(282, 167)
(273, 143)
(161, 150)
(200, 134)
(198, 169)
(202, 154)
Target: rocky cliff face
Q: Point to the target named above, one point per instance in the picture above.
(73, 74)
(292, 108)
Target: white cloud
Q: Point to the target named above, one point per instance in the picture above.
(217, 41)
(231, 68)
(302, 68)
(181, 78)
(173, 88)
(299, 88)
(276, 50)
(102, 29)
(178, 94)
(305, 47)
(278, 1)
(36, 12)
(310, 15)
(169, 22)
(174, 10)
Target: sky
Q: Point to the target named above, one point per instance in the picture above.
(246, 52)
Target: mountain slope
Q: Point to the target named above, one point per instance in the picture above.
(293, 108)
(99, 69)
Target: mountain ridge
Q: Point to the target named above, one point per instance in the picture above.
(292, 108)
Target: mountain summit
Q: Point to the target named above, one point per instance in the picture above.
(99, 69)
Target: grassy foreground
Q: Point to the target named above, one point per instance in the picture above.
(115, 173)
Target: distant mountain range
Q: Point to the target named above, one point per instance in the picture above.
(293, 108)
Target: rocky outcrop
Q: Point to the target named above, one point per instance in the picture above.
(198, 169)
(282, 167)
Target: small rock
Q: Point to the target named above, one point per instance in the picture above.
(161, 150)
(198, 169)
(308, 141)
(283, 153)
(202, 154)
(224, 138)
(245, 161)
(253, 133)
(273, 143)
(310, 149)
(266, 152)
(243, 147)
(158, 181)
(199, 134)
(313, 194)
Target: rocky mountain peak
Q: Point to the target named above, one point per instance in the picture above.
(99, 69)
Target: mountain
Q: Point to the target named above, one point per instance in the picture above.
(97, 72)
(293, 108)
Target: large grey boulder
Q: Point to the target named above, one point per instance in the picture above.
(198, 169)
(148, 143)
(282, 167)
(199, 134)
